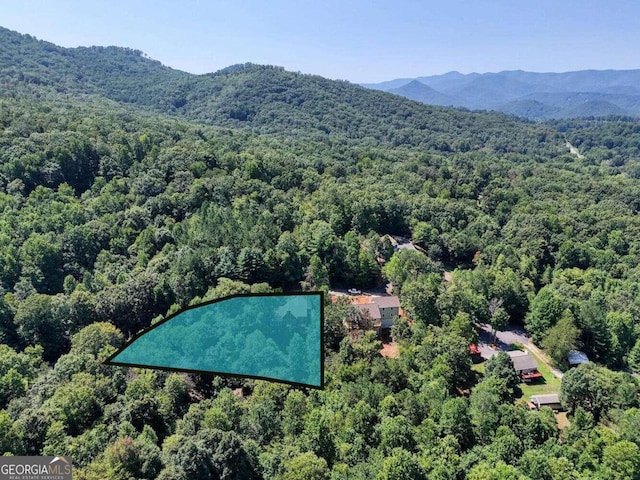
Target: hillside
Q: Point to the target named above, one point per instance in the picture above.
(263, 99)
(120, 206)
(533, 95)
(121, 74)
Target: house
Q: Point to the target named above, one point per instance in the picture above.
(381, 310)
(401, 243)
(373, 312)
(575, 358)
(389, 309)
(525, 365)
(551, 400)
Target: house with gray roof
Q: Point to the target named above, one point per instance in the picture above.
(381, 310)
(551, 400)
(372, 311)
(525, 365)
(389, 309)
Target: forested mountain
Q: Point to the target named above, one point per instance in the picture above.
(122, 74)
(588, 93)
(263, 99)
(120, 205)
(420, 92)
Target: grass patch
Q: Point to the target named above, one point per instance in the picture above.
(551, 383)
(478, 367)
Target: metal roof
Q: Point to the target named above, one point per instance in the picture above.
(548, 399)
(576, 357)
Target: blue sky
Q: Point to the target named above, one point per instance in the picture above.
(360, 41)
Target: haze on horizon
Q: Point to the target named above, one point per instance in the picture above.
(363, 42)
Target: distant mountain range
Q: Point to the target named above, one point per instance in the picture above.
(532, 95)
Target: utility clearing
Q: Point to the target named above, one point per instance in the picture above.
(573, 150)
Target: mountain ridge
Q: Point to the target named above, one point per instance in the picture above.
(261, 98)
(508, 90)
(418, 91)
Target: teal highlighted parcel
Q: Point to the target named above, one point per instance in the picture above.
(266, 336)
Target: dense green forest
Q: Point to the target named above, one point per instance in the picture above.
(129, 190)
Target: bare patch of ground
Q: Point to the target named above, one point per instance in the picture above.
(563, 421)
(390, 350)
(573, 150)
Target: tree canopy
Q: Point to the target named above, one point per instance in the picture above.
(129, 191)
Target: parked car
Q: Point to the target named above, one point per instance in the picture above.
(354, 291)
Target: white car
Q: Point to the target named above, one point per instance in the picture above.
(354, 291)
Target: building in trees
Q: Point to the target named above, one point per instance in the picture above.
(525, 365)
(389, 309)
(551, 400)
(372, 312)
(382, 311)
(576, 357)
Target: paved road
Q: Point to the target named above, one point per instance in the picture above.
(506, 338)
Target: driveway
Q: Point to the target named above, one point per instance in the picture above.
(508, 337)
